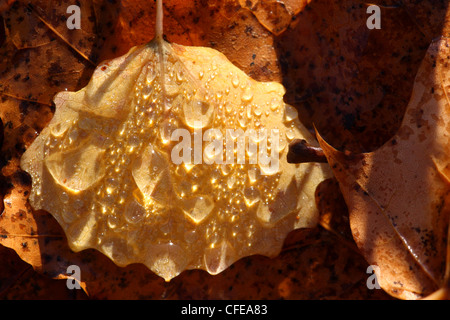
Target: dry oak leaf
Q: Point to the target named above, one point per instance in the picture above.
(103, 165)
(398, 195)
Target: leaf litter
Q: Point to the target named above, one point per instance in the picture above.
(231, 30)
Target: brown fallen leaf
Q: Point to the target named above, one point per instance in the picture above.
(398, 195)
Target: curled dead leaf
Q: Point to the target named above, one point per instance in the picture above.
(398, 195)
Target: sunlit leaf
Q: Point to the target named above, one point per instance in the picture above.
(104, 166)
(398, 195)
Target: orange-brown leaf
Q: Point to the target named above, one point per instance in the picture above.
(398, 195)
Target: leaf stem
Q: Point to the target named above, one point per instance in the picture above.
(301, 152)
(159, 21)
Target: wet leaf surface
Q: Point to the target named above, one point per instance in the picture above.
(105, 168)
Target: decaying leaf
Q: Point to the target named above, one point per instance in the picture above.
(104, 166)
(275, 15)
(398, 195)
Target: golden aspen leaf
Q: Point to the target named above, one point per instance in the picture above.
(173, 157)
